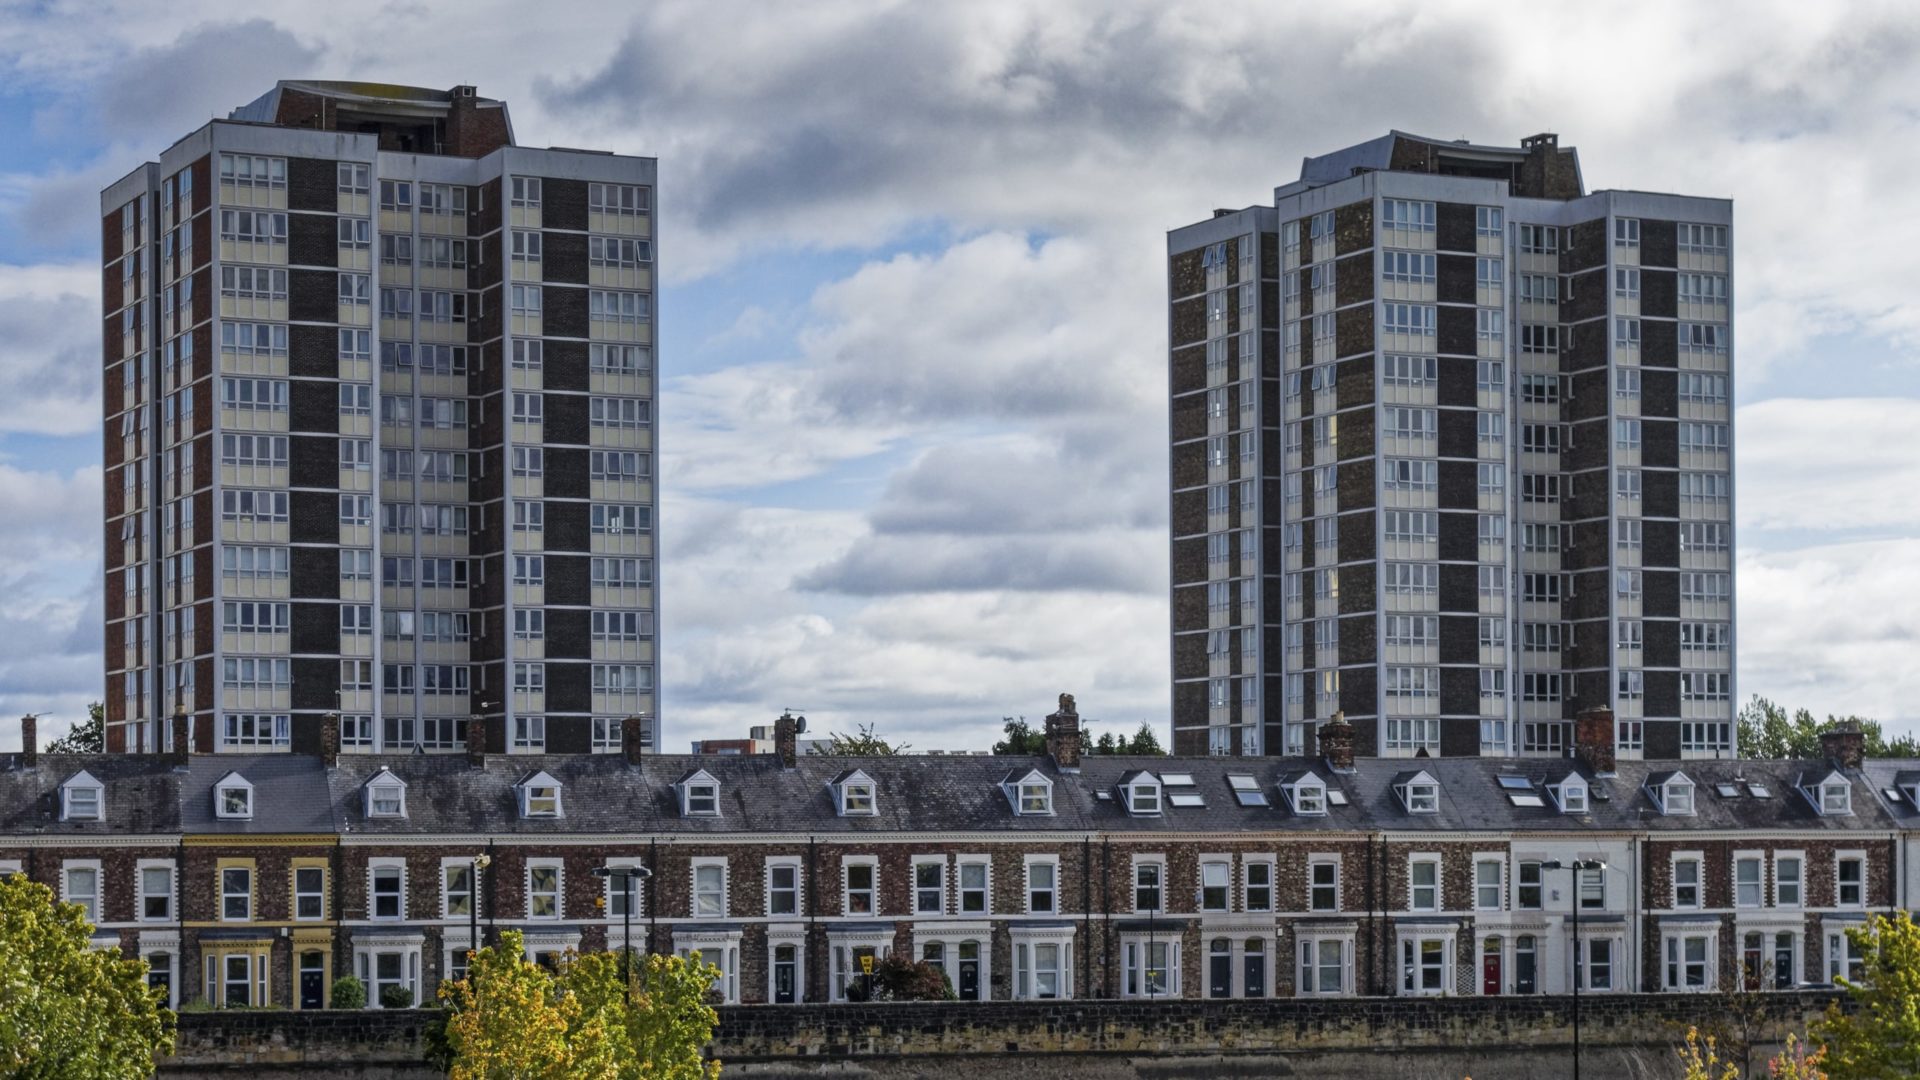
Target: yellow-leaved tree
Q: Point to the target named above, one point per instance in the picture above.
(514, 1019)
(1878, 1036)
(67, 1009)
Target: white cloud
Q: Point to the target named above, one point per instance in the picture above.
(50, 349)
(1827, 465)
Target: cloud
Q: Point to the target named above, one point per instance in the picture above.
(50, 330)
(50, 573)
(208, 70)
(1826, 465)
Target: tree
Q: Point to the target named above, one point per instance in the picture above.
(1022, 739)
(1795, 1063)
(897, 977)
(865, 744)
(513, 1018)
(1768, 732)
(71, 1010)
(662, 1035)
(86, 737)
(348, 993)
(1702, 1061)
(1879, 1038)
(1144, 741)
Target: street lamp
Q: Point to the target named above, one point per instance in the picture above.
(627, 876)
(475, 866)
(1578, 866)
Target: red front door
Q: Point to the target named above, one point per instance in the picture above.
(1490, 973)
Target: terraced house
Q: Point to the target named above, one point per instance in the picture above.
(379, 431)
(258, 878)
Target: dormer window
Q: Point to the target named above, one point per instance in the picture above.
(1307, 795)
(1836, 798)
(1142, 793)
(386, 796)
(1676, 795)
(1419, 793)
(1573, 797)
(699, 794)
(1029, 792)
(82, 798)
(856, 793)
(233, 798)
(539, 796)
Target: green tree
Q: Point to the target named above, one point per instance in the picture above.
(864, 744)
(1022, 739)
(1144, 741)
(70, 1010)
(1768, 731)
(661, 1036)
(897, 977)
(87, 737)
(514, 1019)
(1879, 1038)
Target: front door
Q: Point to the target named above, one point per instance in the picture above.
(1220, 970)
(786, 989)
(313, 980)
(1490, 973)
(969, 988)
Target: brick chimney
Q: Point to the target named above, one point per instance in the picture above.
(29, 740)
(1336, 743)
(1063, 735)
(182, 736)
(477, 741)
(1593, 740)
(330, 740)
(786, 739)
(633, 739)
(1845, 744)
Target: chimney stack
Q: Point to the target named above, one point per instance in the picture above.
(182, 736)
(1336, 743)
(29, 740)
(1593, 740)
(633, 738)
(786, 739)
(330, 740)
(477, 741)
(1063, 736)
(1844, 744)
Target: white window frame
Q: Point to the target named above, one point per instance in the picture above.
(1698, 859)
(1426, 858)
(1136, 951)
(847, 863)
(83, 781)
(1413, 943)
(1758, 859)
(1309, 953)
(1052, 863)
(1333, 861)
(1247, 886)
(460, 862)
(695, 893)
(94, 902)
(1840, 857)
(799, 890)
(375, 866)
(1224, 865)
(232, 782)
(1498, 861)
(939, 863)
(1027, 941)
(140, 893)
(1674, 964)
(559, 868)
(960, 890)
(1799, 883)
(1158, 861)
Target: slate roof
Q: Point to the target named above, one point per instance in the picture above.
(445, 794)
(140, 795)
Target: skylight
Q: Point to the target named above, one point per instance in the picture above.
(1526, 800)
(1185, 798)
(1892, 794)
(1728, 791)
(1246, 790)
(1758, 791)
(1177, 779)
(1515, 783)
(1336, 797)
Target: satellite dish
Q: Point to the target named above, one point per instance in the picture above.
(800, 725)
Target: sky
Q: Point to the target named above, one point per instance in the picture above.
(912, 335)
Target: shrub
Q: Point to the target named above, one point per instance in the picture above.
(349, 993)
(396, 997)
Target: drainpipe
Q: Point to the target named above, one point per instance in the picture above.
(493, 893)
(1106, 931)
(1373, 928)
(1086, 906)
(806, 988)
(653, 903)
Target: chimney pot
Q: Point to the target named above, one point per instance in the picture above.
(1063, 735)
(477, 741)
(633, 738)
(29, 740)
(786, 740)
(1593, 740)
(1336, 743)
(1845, 745)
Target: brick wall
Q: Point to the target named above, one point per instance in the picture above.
(1488, 1037)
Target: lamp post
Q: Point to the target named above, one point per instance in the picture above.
(474, 867)
(1578, 866)
(627, 876)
